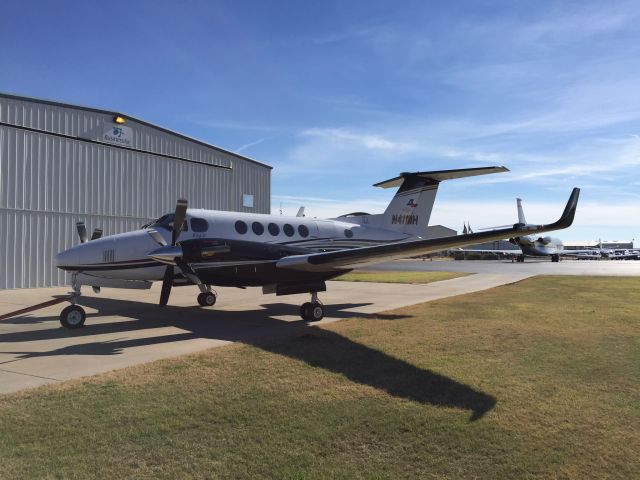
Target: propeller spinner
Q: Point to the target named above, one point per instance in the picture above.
(172, 254)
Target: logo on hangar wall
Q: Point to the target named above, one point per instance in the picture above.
(119, 134)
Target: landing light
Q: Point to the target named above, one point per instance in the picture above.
(118, 119)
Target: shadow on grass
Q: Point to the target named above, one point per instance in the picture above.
(296, 339)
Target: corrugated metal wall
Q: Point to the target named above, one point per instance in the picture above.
(48, 182)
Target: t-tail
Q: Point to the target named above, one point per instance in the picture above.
(411, 207)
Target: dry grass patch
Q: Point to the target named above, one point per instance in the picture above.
(384, 276)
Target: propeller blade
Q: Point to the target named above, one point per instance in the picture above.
(178, 219)
(187, 271)
(82, 232)
(97, 233)
(157, 237)
(167, 283)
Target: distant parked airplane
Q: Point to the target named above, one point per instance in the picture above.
(530, 245)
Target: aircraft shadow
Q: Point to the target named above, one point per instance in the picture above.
(296, 339)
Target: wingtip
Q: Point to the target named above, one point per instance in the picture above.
(570, 210)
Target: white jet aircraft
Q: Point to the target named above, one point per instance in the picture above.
(283, 255)
(530, 245)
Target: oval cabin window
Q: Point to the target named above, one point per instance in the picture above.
(274, 229)
(288, 230)
(257, 228)
(241, 227)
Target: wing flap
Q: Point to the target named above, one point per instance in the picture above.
(356, 257)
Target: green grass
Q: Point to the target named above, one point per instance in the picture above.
(537, 379)
(383, 276)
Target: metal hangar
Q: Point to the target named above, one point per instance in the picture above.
(60, 164)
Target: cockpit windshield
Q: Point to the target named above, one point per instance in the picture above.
(166, 222)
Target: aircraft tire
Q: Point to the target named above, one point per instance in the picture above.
(207, 299)
(73, 317)
(305, 310)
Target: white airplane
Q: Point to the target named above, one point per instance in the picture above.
(530, 245)
(283, 255)
(622, 254)
(534, 245)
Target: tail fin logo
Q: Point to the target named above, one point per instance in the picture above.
(412, 204)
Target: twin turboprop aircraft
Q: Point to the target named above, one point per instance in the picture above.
(283, 255)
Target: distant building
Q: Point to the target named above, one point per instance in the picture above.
(597, 244)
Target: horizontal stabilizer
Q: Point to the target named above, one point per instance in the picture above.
(438, 176)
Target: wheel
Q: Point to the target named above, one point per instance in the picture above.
(73, 316)
(316, 313)
(305, 310)
(521, 258)
(207, 299)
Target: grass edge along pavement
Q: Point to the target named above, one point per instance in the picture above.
(384, 276)
(536, 379)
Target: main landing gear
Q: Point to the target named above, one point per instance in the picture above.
(312, 311)
(207, 297)
(555, 258)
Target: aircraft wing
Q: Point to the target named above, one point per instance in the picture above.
(357, 257)
(487, 250)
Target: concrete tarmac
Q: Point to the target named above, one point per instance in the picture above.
(531, 266)
(126, 327)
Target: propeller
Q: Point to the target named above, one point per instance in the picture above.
(84, 236)
(82, 232)
(167, 280)
(97, 233)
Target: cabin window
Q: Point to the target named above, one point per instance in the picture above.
(303, 230)
(166, 222)
(199, 225)
(241, 227)
(257, 228)
(348, 233)
(274, 229)
(288, 230)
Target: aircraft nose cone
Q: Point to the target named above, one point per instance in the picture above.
(67, 258)
(167, 254)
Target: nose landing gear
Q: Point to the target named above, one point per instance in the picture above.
(74, 315)
(312, 311)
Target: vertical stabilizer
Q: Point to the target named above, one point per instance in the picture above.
(410, 209)
(521, 218)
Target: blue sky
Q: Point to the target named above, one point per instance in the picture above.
(340, 95)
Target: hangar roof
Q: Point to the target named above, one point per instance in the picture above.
(135, 119)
